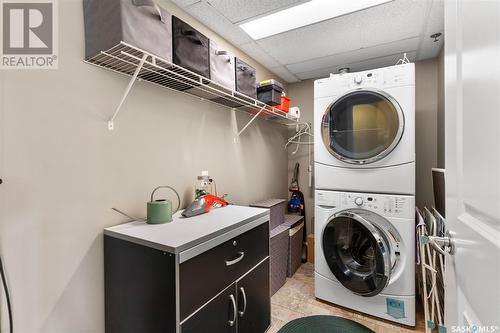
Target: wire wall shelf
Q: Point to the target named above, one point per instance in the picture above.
(143, 66)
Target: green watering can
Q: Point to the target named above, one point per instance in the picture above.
(160, 211)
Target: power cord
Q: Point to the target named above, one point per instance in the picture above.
(2, 273)
(212, 181)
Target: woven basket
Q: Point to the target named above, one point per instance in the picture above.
(277, 209)
(279, 257)
(295, 223)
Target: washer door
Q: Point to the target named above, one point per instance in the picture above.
(357, 253)
(362, 126)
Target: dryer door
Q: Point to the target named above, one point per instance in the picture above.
(362, 126)
(357, 252)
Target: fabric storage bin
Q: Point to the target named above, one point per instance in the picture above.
(139, 23)
(295, 223)
(222, 69)
(269, 92)
(279, 257)
(190, 48)
(295, 249)
(246, 82)
(277, 209)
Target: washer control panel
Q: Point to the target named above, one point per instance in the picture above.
(402, 206)
(393, 205)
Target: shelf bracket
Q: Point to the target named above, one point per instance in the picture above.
(111, 125)
(251, 121)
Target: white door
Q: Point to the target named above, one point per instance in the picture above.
(472, 118)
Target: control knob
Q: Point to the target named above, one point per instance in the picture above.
(358, 79)
(358, 201)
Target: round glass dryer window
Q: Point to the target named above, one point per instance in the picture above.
(362, 126)
(357, 253)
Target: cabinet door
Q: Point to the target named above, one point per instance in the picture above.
(254, 300)
(220, 315)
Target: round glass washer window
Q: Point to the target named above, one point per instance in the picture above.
(354, 256)
(362, 126)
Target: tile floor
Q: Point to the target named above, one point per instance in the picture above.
(296, 299)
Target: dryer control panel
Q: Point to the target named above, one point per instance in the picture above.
(381, 78)
(402, 206)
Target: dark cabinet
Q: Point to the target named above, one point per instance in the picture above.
(243, 307)
(220, 266)
(254, 308)
(218, 286)
(218, 316)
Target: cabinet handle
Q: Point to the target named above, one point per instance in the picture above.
(244, 296)
(237, 260)
(235, 311)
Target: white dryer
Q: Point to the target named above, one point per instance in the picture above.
(365, 131)
(365, 253)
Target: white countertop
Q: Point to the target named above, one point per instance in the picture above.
(184, 233)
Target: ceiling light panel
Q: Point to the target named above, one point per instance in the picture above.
(304, 14)
(397, 20)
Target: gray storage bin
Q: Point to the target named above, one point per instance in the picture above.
(269, 92)
(246, 82)
(222, 75)
(277, 209)
(279, 257)
(139, 23)
(222, 69)
(190, 48)
(295, 223)
(295, 249)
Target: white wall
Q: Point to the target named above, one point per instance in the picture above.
(440, 115)
(302, 96)
(63, 171)
(426, 126)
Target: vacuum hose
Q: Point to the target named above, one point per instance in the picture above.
(2, 273)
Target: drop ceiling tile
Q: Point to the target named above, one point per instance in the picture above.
(185, 3)
(401, 19)
(256, 52)
(285, 74)
(341, 59)
(210, 17)
(356, 66)
(241, 10)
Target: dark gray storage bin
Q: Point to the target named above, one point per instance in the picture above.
(277, 209)
(190, 48)
(139, 23)
(222, 69)
(269, 92)
(246, 82)
(295, 225)
(279, 257)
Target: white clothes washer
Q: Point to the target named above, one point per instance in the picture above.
(365, 253)
(365, 131)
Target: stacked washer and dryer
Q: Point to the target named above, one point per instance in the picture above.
(364, 155)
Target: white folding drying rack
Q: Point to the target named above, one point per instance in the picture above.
(432, 270)
(143, 66)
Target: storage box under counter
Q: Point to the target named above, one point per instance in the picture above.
(208, 273)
